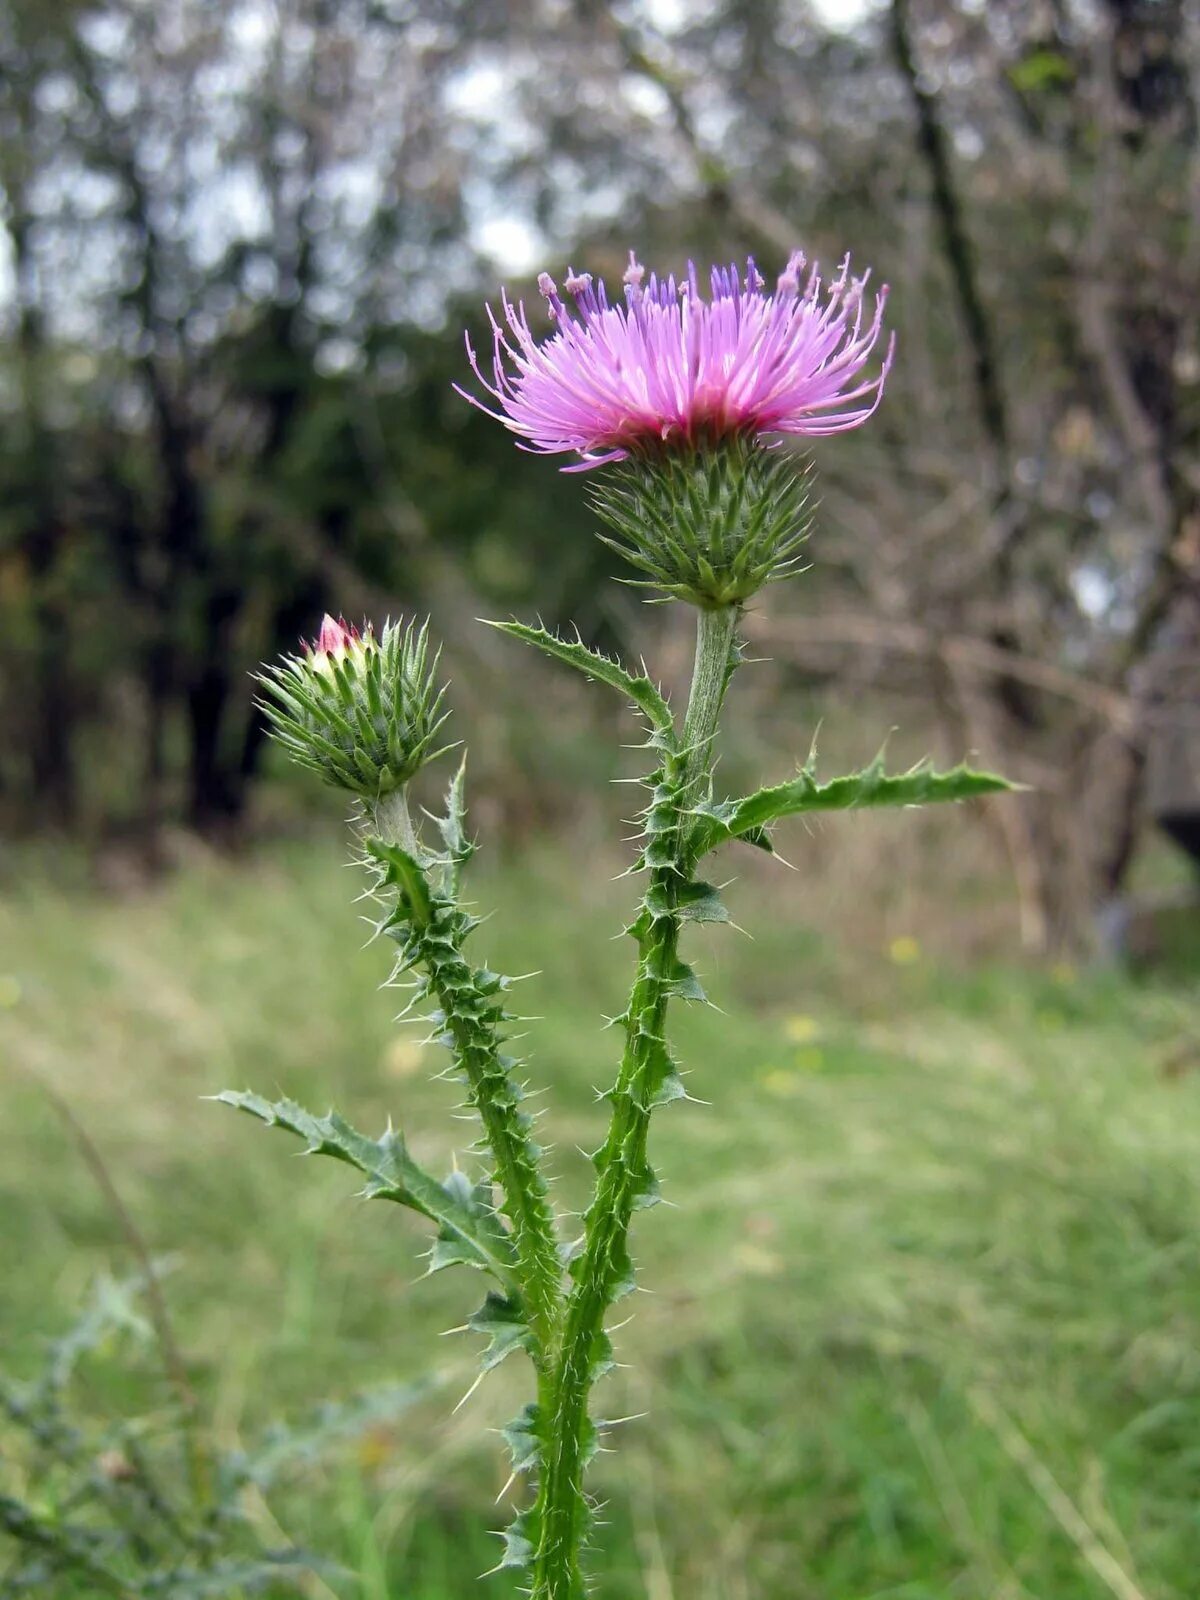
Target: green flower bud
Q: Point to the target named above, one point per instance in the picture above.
(709, 524)
(362, 712)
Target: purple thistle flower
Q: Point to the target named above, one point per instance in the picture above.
(668, 367)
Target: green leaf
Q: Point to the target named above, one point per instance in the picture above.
(450, 1248)
(518, 1544)
(403, 873)
(452, 826)
(470, 1231)
(676, 976)
(700, 902)
(503, 1320)
(523, 1437)
(66, 1546)
(644, 694)
(112, 1308)
(872, 787)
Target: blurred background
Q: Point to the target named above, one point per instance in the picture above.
(928, 1317)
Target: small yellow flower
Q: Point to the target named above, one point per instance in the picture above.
(404, 1058)
(780, 1082)
(375, 1449)
(904, 951)
(800, 1029)
(754, 1259)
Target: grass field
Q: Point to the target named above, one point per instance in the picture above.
(925, 1319)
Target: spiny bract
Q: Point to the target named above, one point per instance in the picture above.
(362, 711)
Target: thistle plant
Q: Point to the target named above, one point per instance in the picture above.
(96, 1502)
(678, 404)
(148, 1505)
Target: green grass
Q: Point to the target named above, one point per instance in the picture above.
(925, 1312)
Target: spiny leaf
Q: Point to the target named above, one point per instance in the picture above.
(518, 1544)
(872, 787)
(644, 694)
(450, 1249)
(111, 1308)
(677, 976)
(694, 902)
(401, 872)
(523, 1438)
(392, 1174)
(502, 1319)
(452, 826)
(63, 1547)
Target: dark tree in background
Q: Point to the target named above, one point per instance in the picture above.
(209, 208)
(242, 240)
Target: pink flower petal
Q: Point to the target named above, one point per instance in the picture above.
(668, 365)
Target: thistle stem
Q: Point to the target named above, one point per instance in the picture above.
(710, 678)
(468, 1011)
(394, 824)
(477, 1050)
(625, 1180)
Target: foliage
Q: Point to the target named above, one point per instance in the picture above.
(145, 1505)
(560, 1320)
(467, 1230)
(751, 818)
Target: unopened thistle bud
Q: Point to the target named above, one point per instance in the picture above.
(684, 392)
(363, 712)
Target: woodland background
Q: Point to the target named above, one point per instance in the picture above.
(242, 240)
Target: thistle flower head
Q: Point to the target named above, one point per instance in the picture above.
(683, 392)
(667, 369)
(363, 711)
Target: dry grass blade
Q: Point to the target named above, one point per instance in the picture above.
(1055, 1498)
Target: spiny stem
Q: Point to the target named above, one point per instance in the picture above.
(478, 1053)
(710, 678)
(394, 824)
(506, 1128)
(625, 1179)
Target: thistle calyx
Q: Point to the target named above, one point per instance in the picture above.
(709, 525)
(363, 711)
